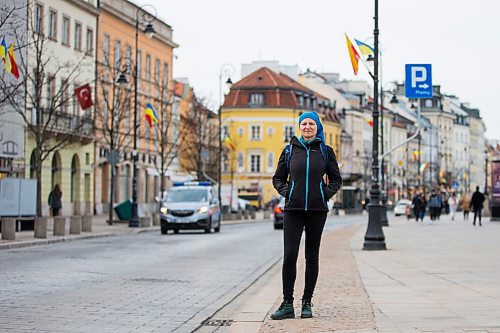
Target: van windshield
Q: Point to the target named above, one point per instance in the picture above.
(191, 195)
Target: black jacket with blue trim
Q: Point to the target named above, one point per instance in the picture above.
(303, 186)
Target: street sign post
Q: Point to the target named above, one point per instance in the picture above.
(418, 80)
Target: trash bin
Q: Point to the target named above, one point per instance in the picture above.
(124, 210)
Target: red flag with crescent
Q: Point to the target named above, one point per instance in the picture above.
(84, 95)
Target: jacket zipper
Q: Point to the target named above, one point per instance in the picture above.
(291, 190)
(307, 176)
(321, 189)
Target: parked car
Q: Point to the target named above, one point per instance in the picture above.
(400, 208)
(279, 214)
(190, 205)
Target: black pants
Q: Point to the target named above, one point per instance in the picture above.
(477, 213)
(294, 223)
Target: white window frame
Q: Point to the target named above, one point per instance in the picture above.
(286, 130)
(66, 30)
(270, 161)
(251, 132)
(240, 162)
(241, 131)
(52, 24)
(251, 165)
(105, 50)
(257, 99)
(89, 46)
(78, 36)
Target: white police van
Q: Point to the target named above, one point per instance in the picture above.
(190, 205)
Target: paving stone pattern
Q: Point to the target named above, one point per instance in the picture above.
(340, 301)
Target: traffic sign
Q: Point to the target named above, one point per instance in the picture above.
(418, 81)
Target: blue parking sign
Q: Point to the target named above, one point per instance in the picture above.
(418, 80)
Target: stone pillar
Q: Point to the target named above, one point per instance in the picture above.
(267, 214)
(87, 223)
(245, 214)
(156, 219)
(239, 214)
(75, 225)
(9, 229)
(41, 227)
(145, 221)
(59, 225)
(252, 214)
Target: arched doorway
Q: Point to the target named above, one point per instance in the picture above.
(75, 183)
(56, 170)
(33, 164)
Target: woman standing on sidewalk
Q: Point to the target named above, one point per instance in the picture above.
(299, 177)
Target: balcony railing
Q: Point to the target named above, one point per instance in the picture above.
(79, 128)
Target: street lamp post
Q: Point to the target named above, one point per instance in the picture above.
(149, 31)
(225, 71)
(374, 237)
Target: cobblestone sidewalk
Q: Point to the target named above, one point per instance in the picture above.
(341, 303)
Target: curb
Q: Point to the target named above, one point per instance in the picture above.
(21, 244)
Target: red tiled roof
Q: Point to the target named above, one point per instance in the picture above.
(279, 90)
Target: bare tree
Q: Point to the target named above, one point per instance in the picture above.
(43, 105)
(113, 119)
(169, 130)
(201, 146)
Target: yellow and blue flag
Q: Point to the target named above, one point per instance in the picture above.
(365, 49)
(151, 115)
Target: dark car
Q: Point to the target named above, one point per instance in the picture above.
(279, 214)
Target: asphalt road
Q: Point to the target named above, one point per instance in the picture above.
(138, 283)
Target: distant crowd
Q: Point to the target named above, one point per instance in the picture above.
(437, 202)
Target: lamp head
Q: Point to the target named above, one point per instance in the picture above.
(149, 30)
(122, 80)
(394, 100)
(229, 83)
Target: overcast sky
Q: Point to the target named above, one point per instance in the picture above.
(460, 38)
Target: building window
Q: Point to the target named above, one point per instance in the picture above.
(225, 132)
(270, 162)
(254, 163)
(128, 57)
(90, 41)
(255, 134)
(53, 25)
(65, 31)
(105, 50)
(165, 74)
(148, 67)
(241, 131)
(117, 55)
(65, 96)
(428, 103)
(157, 70)
(38, 20)
(289, 133)
(51, 90)
(139, 67)
(256, 99)
(240, 162)
(78, 36)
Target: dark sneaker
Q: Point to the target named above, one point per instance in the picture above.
(306, 309)
(284, 311)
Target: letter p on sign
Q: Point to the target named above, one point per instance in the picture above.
(418, 74)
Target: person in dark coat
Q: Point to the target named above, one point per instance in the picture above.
(300, 178)
(55, 200)
(476, 204)
(419, 205)
(435, 203)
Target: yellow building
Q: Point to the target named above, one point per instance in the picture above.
(260, 116)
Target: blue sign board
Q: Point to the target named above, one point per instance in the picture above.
(418, 81)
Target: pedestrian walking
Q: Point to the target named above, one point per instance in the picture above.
(453, 204)
(465, 205)
(299, 177)
(55, 200)
(419, 205)
(477, 205)
(435, 204)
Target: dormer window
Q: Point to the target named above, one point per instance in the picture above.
(256, 99)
